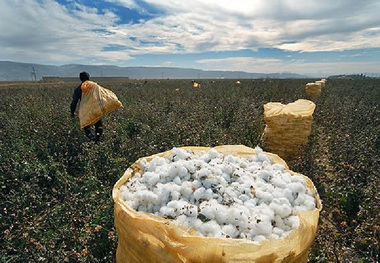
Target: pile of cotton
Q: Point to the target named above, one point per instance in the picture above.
(323, 83)
(287, 127)
(220, 195)
(313, 90)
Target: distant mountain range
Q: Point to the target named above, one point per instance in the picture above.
(15, 71)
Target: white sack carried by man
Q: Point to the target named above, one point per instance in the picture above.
(96, 101)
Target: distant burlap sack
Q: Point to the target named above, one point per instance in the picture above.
(287, 127)
(95, 102)
(323, 84)
(196, 85)
(144, 237)
(313, 90)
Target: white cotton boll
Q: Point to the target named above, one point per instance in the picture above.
(297, 187)
(287, 177)
(154, 163)
(199, 193)
(288, 194)
(278, 231)
(265, 175)
(171, 173)
(210, 228)
(147, 197)
(142, 208)
(281, 206)
(167, 212)
(208, 210)
(283, 210)
(292, 221)
(227, 177)
(196, 184)
(186, 190)
(156, 209)
(164, 193)
(191, 211)
(215, 162)
(150, 178)
(278, 193)
(126, 196)
(132, 203)
(259, 238)
(144, 164)
(298, 179)
(202, 173)
(177, 181)
(196, 223)
(264, 228)
(305, 202)
(230, 230)
(251, 203)
(182, 220)
(278, 182)
(244, 198)
(180, 154)
(264, 196)
(213, 153)
(279, 222)
(221, 214)
(269, 188)
(209, 194)
(234, 215)
(123, 188)
(175, 195)
(262, 213)
(263, 157)
(300, 200)
(178, 206)
(226, 168)
(310, 203)
(244, 163)
(278, 167)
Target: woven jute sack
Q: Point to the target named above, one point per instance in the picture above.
(287, 128)
(144, 237)
(313, 90)
(96, 101)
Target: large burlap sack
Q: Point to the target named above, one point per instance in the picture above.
(287, 127)
(95, 102)
(322, 82)
(313, 90)
(196, 85)
(144, 237)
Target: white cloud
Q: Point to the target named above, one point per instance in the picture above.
(277, 65)
(43, 31)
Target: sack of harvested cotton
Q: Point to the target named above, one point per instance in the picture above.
(287, 128)
(313, 90)
(222, 204)
(322, 82)
(96, 101)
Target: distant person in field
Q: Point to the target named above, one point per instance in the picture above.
(84, 76)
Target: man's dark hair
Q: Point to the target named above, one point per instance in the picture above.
(84, 76)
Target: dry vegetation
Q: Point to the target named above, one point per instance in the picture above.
(56, 186)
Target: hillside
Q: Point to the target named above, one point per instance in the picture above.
(14, 71)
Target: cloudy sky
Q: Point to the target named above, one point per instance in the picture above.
(321, 37)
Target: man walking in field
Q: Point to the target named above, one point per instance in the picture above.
(95, 102)
(84, 76)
